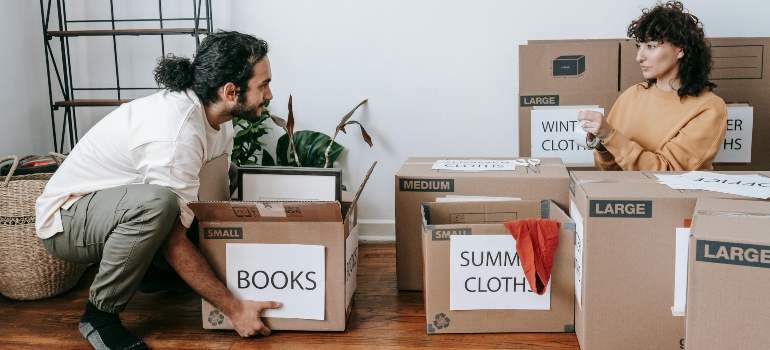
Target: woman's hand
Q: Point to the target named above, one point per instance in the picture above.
(596, 124)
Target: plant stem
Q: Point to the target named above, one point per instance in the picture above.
(326, 154)
(294, 150)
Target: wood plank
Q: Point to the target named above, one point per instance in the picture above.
(382, 318)
(123, 32)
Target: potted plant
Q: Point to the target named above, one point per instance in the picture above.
(247, 148)
(307, 148)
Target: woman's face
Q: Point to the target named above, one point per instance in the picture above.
(659, 60)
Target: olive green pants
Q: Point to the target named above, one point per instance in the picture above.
(121, 229)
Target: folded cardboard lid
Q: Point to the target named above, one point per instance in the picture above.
(489, 212)
(421, 167)
(641, 184)
(214, 179)
(732, 220)
(278, 211)
(445, 213)
(267, 211)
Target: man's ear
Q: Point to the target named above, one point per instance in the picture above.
(228, 92)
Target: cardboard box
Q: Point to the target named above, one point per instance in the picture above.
(729, 275)
(570, 73)
(443, 222)
(626, 227)
(235, 235)
(550, 183)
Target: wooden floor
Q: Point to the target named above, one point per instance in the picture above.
(382, 318)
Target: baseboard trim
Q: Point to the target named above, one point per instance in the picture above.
(377, 231)
(376, 239)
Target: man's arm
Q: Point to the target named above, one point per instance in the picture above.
(193, 268)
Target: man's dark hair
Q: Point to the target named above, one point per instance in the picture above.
(223, 57)
(671, 23)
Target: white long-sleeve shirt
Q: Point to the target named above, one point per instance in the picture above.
(162, 139)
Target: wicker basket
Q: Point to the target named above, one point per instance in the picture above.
(27, 270)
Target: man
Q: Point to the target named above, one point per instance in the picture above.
(121, 195)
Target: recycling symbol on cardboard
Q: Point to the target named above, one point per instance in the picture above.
(441, 321)
(216, 318)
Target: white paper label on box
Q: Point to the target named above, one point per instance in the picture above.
(753, 185)
(736, 148)
(552, 135)
(271, 209)
(579, 240)
(680, 271)
(474, 165)
(485, 274)
(351, 264)
(294, 274)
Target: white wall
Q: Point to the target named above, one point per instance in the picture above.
(25, 120)
(441, 76)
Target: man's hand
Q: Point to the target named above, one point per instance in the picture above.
(246, 318)
(193, 268)
(596, 124)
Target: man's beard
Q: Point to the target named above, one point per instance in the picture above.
(244, 111)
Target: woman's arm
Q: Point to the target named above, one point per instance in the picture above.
(693, 148)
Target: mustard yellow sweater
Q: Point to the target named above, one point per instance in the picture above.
(655, 131)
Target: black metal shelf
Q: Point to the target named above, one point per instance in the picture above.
(124, 32)
(90, 103)
(59, 62)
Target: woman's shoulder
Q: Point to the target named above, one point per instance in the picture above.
(707, 98)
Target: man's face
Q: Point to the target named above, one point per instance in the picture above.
(251, 103)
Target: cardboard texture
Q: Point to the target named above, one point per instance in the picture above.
(628, 258)
(214, 180)
(728, 277)
(550, 183)
(332, 225)
(485, 218)
(611, 68)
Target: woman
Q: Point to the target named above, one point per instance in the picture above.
(673, 121)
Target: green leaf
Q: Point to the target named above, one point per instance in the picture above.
(283, 154)
(241, 133)
(311, 146)
(267, 159)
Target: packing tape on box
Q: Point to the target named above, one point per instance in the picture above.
(271, 209)
(539, 165)
(609, 181)
(733, 213)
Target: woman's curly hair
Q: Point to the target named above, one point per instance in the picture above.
(223, 57)
(671, 23)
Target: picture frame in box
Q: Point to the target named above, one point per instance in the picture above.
(262, 183)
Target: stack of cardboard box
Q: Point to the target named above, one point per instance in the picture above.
(596, 72)
(625, 256)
